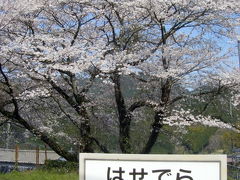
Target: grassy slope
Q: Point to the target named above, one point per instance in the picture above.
(38, 175)
(42, 175)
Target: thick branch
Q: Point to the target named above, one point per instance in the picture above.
(3, 122)
(140, 104)
(16, 116)
(102, 147)
(213, 92)
(44, 137)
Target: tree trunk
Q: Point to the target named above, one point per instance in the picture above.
(158, 118)
(86, 142)
(123, 116)
(156, 126)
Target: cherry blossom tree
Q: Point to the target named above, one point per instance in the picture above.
(74, 56)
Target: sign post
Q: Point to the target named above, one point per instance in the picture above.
(152, 167)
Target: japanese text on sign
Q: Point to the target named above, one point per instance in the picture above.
(139, 175)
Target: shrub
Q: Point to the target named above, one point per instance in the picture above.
(60, 166)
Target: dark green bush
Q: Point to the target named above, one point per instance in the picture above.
(60, 166)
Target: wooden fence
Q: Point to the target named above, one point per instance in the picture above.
(233, 172)
(18, 155)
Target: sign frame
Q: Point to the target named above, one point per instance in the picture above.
(222, 159)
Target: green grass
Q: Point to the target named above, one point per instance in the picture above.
(42, 175)
(39, 175)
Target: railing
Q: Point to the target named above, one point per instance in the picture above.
(21, 160)
(17, 155)
(233, 172)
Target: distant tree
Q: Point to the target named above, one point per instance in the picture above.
(67, 59)
(197, 138)
(230, 141)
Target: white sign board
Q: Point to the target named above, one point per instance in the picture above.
(152, 167)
